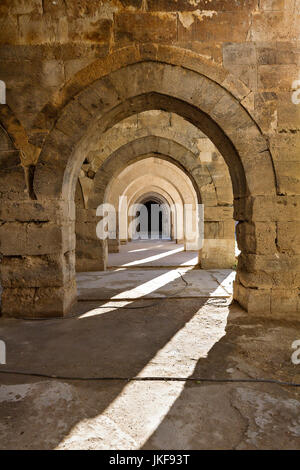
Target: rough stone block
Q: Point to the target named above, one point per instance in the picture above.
(288, 237)
(87, 231)
(145, 27)
(288, 177)
(37, 271)
(256, 237)
(288, 113)
(88, 30)
(34, 239)
(44, 302)
(276, 77)
(239, 54)
(277, 208)
(35, 29)
(187, 6)
(271, 264)
(218, 213)
(12, 184)
(214, 26)
(254, 301)
(285, 303)
(113, 246)
(34, 211)
(91, 255)
(218, 254)
(285, 147)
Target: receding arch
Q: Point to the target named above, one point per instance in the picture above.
(156, 86)
(216, 253)
(187, 140)
(152, 84)
(129, 55)
(142, 148)
(166, 178)
(157, 198)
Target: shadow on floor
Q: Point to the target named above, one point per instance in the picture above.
(110, 343)
(170, 337)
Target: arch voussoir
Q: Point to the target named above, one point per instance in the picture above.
(202, 100)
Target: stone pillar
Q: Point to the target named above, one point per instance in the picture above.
(218, 250)
(91, 252)
(190, 227)
(268, 274)
(114, 243)
(37, 242)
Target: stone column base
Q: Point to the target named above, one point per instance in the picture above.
(41, 302)
(274, 303)
(218, 254)
(84, 265)
(91, 255)
(113, 246)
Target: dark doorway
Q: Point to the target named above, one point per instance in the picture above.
(151, 226)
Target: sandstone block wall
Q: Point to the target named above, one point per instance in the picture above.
(76, 68)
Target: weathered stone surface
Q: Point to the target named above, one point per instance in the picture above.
(239, 54)
(17, 73)
(269, 263)
(269, 280)
(145, 27)
(257, 237)
(285, 147)
(36, 211)
(37, 271)
(214, 26)
(36, 238)
(91, 255)
(288, 237)
(12, 183)
(183, 5)
(217, 213)
(42, 302)
(268, 208)
(73, 70)
(83, 30)
(217, 253)
(276, 77)
(255, 301)
(113, 246)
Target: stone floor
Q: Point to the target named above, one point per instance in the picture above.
(149, 253)
(131, 284)
(150, 322)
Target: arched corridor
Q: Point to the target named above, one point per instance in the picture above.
(149, 223)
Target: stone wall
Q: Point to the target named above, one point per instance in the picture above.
(228, 67)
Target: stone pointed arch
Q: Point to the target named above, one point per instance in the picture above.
(206, 102)
(152, 85)
(129, 55)
(218, 250)
(166, 179)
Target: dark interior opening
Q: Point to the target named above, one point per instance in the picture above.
(148, 205)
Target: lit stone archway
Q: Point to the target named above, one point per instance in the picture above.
(165, 176)
(168, 195)
(166, 128)
(260, 282)
(218, 249)
(157, 198)
(167, 133)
